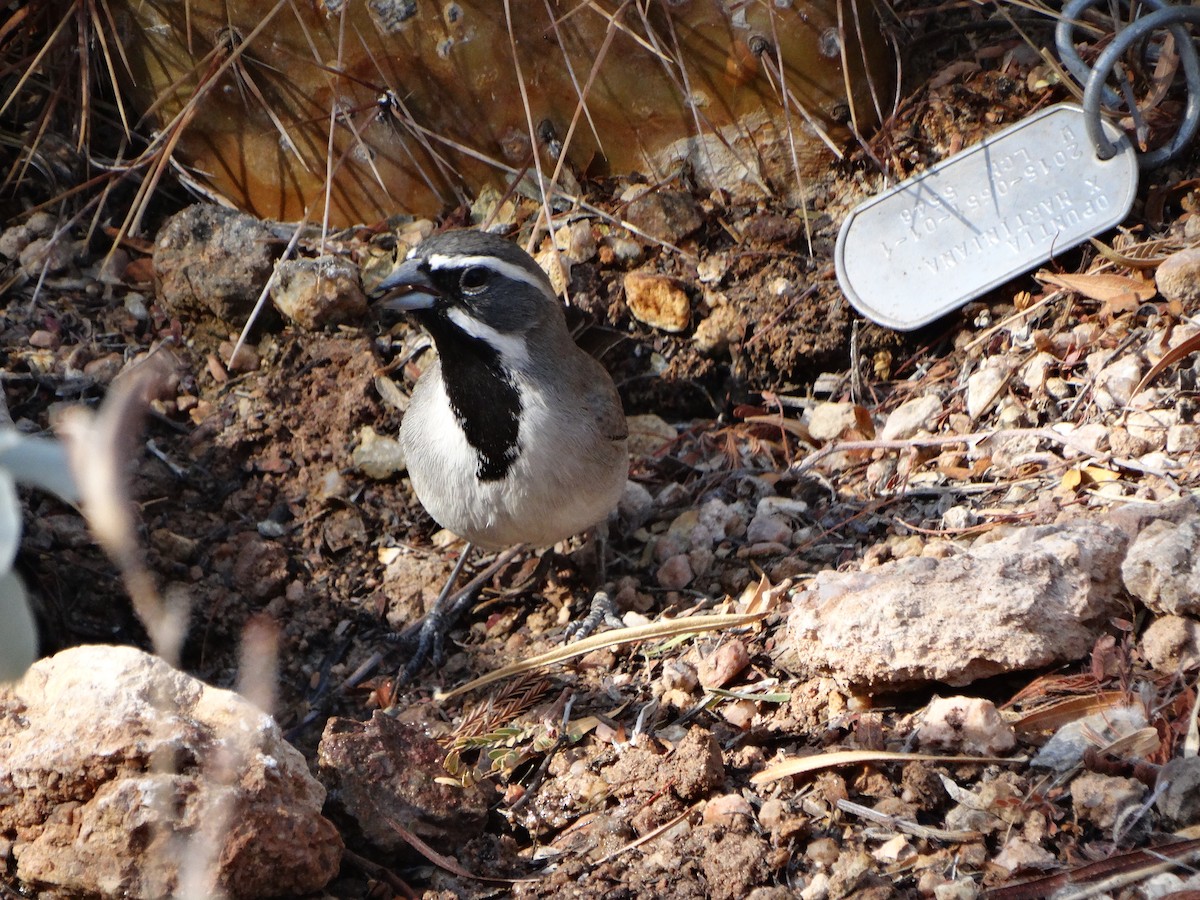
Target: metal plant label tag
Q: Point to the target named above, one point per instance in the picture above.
(972, 222)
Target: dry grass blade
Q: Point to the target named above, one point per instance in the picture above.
(1053, 717)
(529, 123)
(100, 446)
(615, 638)
(806, 765)
(1102, 876)
(449, 863)
(1172, 356)
(1128, 260)
(1191, 740)
(652, 834)
(907, 826)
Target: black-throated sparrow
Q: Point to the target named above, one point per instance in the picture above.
(514, 435)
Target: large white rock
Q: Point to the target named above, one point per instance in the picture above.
(121, 776)
(1019, 598)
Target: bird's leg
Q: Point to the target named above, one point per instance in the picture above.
(603, 609)
(427, 638)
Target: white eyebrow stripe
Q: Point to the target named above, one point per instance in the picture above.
(511, 347)
(508, 270)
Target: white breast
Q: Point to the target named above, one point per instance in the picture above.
(555, 488)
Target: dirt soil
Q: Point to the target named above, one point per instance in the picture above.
(252, 509)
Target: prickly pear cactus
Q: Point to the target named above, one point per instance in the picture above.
(415, 105)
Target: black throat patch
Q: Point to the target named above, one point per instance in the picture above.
(483, 397)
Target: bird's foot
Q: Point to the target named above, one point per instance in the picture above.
(602, 611)
(425, 640)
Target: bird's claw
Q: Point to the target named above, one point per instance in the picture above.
(602, 611)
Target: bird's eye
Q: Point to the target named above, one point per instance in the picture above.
(473, 280)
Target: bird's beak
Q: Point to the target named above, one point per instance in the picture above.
(407, 288)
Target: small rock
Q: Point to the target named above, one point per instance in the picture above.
(1179, 802)
(768, 528)
(13, 240)
(649, 435)
(384, 771)
(319, 293)
(1162, 568)
(1100, 799)
(678, 675)
(577, 240)
(105, 368)
(1178, 277)
(912, 417)
(664, 215)
(985, 385)
(45, 340)
(1172, 644)
(259, 568)
(723, 519)
(377, 456)
(46, 255)
(1034, 373)
(42, 223)
(726, 809)
(1065, 749)
(965, 725)
(1183, 439)
(623, 250)
(959, 518)
(718, 330)
(657, 301)
(829, 421)
(635, 507)
(676, 573)
(1020, 855)
(88, 736)
(1116, 381)
(739, 713)
(724, 664)
(692, 771)
(245, 360)
(961, 889)
(212, 261)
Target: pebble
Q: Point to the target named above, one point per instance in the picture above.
(377, 456)
(829, 421)
(676, 573)
(13, 240)
(44, 340)
(636, 506)
(319, 293)
(1178, 277)
(965, 725)
(912, 417)
(41, 255)
(657, 301)
(649, 435)
(985, 385)
(678, 675)
(718, 330)
(664, 215)
(724, 664)
(1116, 381)
(624, 250)
(245, 360)
(105, 368)
(726, 810)
(1179, 802)
(769, 528)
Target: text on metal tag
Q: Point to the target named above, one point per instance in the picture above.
(972, 222)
